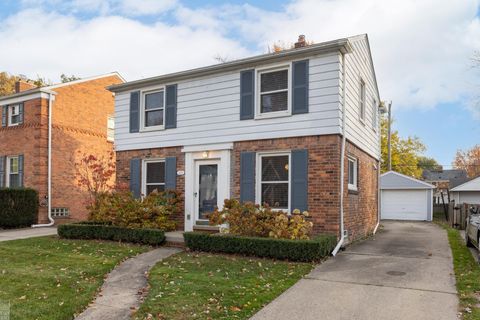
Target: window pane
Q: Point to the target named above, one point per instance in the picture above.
(274, 102)
(351, 172)
(156, 172)
(274, 80)
(13, 165)
(154, 118)
(151, 188)
(154, 100)
(275, 168)
(15, 119)
(207, 197)
(275, 195)
(14, 181)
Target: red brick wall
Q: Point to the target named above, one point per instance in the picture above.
(123, 170)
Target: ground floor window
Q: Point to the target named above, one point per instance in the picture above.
(60, 212)
(153, 176)
(352, 173)
(13, 172)
(274, 180)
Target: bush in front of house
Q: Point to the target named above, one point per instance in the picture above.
(253, 220)
(18, 207)
(282, 249)
(121, 208)
(105, 231)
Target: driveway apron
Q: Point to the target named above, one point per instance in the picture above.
(404, 272)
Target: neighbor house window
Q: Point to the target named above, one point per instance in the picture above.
(153, 176)
(153, 109)
(273, 95)
(274, 180)
(13, 173)
(362, 100)
(60, 212)
(110, 128)
(13, 115)
(374, 115)
(352, 173)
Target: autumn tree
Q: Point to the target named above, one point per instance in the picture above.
(426, 163)
(405, 153)
(468, 160)
(7, 84)
(64, 78)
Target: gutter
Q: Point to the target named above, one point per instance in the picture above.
(378, 198)
(342, 163)
(49, 161)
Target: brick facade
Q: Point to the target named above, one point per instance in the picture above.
(80, 111)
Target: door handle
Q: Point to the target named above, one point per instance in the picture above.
(195, 194)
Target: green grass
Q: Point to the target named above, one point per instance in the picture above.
(467, 274)
(50, 278)
(213, 286)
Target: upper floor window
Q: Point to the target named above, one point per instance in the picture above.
(362, 100)
(153, 176)
(153, 109)
(273, 91)
(14, 115)
(110, 128)
(13, 172)
(274, 180)
(352, 173)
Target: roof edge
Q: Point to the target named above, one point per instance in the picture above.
(407, 177)
(463, 184)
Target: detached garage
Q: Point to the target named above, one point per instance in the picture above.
(469, 192)
(405, 198)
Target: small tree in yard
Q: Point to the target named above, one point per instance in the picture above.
(95, 175)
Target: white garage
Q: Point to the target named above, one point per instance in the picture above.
(469, 192)
(405, 198)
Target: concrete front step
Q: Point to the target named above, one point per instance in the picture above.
(174, 239)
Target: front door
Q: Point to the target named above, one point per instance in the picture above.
(206, 189)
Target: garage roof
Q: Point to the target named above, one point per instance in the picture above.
(395, 180)
(472, 185)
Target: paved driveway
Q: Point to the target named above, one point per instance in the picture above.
(404, 272)
(6, 235)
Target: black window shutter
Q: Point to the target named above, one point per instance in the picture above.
(2, 172)
(171, 107)
(134, 111)
(20, 170)
(20, 115)
(4, 115)
(300, 87)
(170, 173)
(247, 94)
(299, 180)
(135, 177)
(247, 176)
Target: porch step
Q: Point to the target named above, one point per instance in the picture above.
(174, 239)
(206, 228)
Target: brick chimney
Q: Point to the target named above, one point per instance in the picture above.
(301, 42)
(22, 85)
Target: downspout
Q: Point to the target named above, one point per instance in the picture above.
(49, 166)
(378, 198)
(342, 162)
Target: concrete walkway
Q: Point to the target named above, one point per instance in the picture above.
(404, 272)
(7, 235)
(122, 291)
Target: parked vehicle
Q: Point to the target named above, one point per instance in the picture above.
(472, 231)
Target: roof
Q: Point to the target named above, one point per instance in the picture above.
(343, 45)
(49, 89)
(472, 185)
(395, 180)
(454, 176)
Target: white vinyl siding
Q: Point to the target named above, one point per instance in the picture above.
(208, 111)
(362, 101)
(110, 128)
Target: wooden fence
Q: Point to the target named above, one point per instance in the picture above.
(458, 214)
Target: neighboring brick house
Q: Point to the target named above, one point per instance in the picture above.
(82, 114)
(267, 129)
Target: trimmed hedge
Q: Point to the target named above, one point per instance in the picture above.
(18, 207)
(89, 231)
(283, 249)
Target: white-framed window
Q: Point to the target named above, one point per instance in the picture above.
(352, 173)
(273, 180)
(273, 96)
(13, 114)
(12, 172)
(153, 109)
(110, 128)
(374, 115)
(362, 95)
(60, 212)
(153, 175)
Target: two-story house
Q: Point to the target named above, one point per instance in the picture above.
(43, 133)
(297, 129)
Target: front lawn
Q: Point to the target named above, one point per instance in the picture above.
(213, 286)
(50, 278)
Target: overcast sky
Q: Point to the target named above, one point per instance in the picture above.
(422, 49)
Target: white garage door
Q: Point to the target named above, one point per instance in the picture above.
(404, 204)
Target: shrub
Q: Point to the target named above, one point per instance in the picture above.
(121, 209)
(249, 219)
(18, 207)
(284, 249)
(92, 231)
